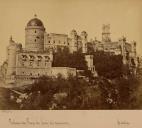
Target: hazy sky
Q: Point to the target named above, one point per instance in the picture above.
(61, 16)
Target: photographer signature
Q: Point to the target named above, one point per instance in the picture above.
(123, 122)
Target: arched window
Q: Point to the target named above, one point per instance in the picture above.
(47, 58)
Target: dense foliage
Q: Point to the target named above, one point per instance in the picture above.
(114, 88)
(109, 66)
(62, 58)
(74, 93)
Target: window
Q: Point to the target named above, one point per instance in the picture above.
(35, 40)
(35, 31)
(49, 42)
(47, 58)
(54, 41)
(30, 74)
(31, 63)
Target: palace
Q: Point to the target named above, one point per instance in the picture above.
(36, 58)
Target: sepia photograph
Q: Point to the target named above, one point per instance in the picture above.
(71, 55)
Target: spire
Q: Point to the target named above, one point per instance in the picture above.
(11, 40)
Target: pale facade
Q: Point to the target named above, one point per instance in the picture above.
(35, 60)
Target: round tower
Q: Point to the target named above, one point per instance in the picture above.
(12, 50)
(84, 41)
(34, 35)
(74, 38)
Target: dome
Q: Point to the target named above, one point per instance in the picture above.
(83, 32)
(35, 22)
(73, 32)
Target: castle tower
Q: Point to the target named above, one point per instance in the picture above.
(122, 42)
(34, 35)
(12, 51)
(84, 41)
(134, 53)
(90, 65)
(133, 44)
(74, 39)
(106, 33)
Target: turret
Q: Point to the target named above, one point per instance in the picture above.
(106, 33)
(134, 59)
(124, 53)
(90, 65)
(133, 46)
(12, 50)
(74, 39)
(84, 41)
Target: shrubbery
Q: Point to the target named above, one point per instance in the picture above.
(74, 93)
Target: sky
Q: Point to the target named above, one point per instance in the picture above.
(61, 16)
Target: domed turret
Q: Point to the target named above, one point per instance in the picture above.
(73, 34)
(84, 34)
(34, 35)
(35, 22)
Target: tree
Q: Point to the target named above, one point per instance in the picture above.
(63, 58)
(109, 66)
